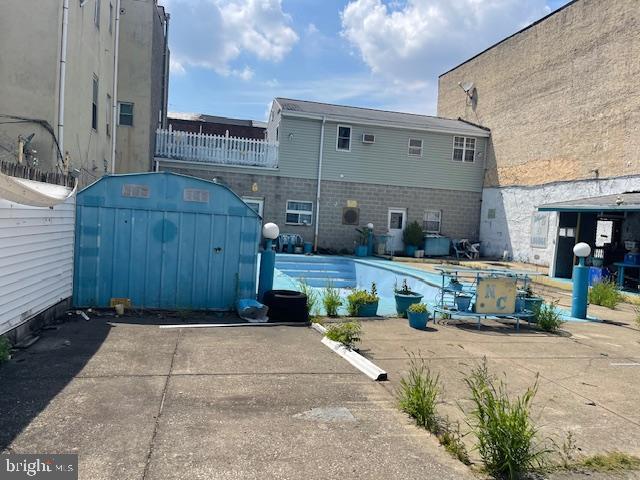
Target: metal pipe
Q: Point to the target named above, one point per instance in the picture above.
(165, 86)
(317, 225)
(62, 73)
(114, 122)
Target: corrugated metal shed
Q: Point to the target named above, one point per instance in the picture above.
(36, 259)
(165, 241)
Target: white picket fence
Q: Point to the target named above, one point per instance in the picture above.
(215, 149)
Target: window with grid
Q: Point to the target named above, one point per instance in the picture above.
(344, 138)
(432, 221)
(464, 149)
(125, 116)
(299, 213)
(415, 147)
(94, 104)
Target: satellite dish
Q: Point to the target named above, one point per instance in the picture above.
(466, 86)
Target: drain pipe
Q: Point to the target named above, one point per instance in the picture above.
(62, 74)
(114, 121)
(317, 225)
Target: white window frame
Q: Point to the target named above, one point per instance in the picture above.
(338, 127)
(424, 221)
(256, 200)
(299, 212)
(464, 149)
(409, 147)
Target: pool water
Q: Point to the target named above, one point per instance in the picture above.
(345, 273)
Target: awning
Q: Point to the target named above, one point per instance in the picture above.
(30, 192)
(623, 202)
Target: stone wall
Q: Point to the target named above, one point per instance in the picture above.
(561, 97)
(460, 210)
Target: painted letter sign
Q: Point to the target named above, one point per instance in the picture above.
(496, 296)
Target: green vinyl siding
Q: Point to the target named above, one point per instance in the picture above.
(299, 147)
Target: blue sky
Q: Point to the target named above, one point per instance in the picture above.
(231, 57)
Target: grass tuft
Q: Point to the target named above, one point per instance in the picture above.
(549, 318)
(347, 333)
(605, 294)
(418, 393)
(312, 297)
(503, 426)
(331, 300)
(610, 462)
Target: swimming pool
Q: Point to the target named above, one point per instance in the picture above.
(349, 273)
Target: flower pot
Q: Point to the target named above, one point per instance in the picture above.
(405, 301)
(410, 250)
(419, 254)
(533, 304)
(418, 319)
(368, 309)
(361, 251)
(463, 302)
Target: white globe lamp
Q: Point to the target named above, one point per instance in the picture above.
(270, 231)
(582, 250)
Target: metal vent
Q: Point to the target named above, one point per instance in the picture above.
(195, 195)
(350, 216)
(136, 191)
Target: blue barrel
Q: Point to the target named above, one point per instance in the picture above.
(308, 247)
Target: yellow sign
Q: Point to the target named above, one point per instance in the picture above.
(496, 295)
(352, 203)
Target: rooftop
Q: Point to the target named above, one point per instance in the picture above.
(370, 115)
(201, 117)
(621, 202)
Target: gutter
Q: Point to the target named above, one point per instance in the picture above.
(62, 74)
(320, 155)
(114, 130)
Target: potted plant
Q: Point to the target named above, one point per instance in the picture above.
(463, 301)
(405, 298)
(412, 237)
(532, 302)
(362, 242)
(363, 303)
(418, 314)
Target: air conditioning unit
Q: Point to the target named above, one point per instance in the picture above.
(350, 216)
(368, 138)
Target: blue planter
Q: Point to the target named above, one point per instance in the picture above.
(368, 310)
(533, 304)
(463, 302)
(308, 247)
(410, 250)
(405, 301)
(361, 251)
(418, 319)
(519, 304)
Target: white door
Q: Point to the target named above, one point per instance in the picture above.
(396, 222)
(256, 204)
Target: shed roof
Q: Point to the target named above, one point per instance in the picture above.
(618, 202)
(342, 113)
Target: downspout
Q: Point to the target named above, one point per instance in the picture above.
(62, 74)
(114, 121)
(317, 226)
(165, 86)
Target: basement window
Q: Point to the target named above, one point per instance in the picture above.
(464, 149)
(299, 212)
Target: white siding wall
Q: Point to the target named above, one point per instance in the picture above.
(36, 259)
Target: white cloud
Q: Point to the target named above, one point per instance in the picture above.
(416, 40)
(217, 34)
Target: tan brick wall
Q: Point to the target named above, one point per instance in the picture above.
(561, 98)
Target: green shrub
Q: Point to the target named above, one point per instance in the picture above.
(505, 431)
(347, 333)
(605, 294)
(357, 298)
(418, 308)
(549, 318)
(5, 349)
(331, 300)
(412, 234)
(418, 394)
(312, 296)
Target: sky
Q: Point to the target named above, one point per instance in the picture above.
(232, 57)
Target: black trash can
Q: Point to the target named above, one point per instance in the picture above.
(286, 306)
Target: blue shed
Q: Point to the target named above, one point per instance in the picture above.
(164, 241)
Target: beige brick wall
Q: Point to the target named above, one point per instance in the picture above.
(562, 98)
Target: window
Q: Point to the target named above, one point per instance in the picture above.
(432, 221)
(256, 204)
(109, 107)
(94, 104)
(344, 138)
(299, 213)
(125, 116)
(464, 149)
(110, 17)
(96, 14)
(415, 147)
